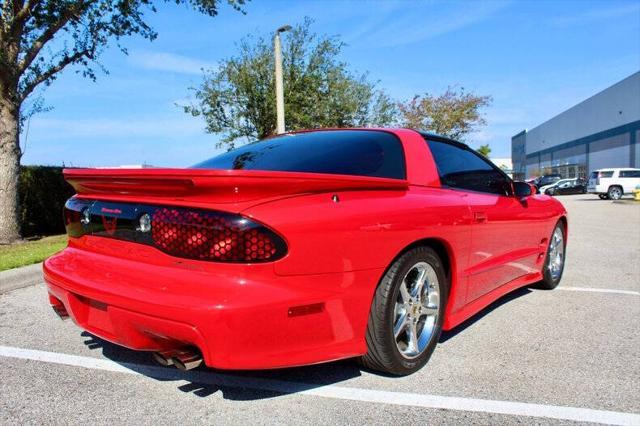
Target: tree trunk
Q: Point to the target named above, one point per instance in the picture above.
(9, 171)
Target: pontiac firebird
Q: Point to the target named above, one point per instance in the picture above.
(302, 248)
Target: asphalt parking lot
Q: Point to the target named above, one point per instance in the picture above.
(534, 357)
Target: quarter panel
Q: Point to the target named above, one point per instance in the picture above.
(367, 230)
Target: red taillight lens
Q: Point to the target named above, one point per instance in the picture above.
(216, 236)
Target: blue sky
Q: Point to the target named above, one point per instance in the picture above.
(536, 58)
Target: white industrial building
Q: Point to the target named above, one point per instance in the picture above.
(602, 131)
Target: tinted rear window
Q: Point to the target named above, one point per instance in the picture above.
(348, 152)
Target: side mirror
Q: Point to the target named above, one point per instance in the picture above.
(523, 189)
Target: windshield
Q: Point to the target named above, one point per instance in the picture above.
(349, 152)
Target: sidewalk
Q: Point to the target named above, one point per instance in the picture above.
(20, 277)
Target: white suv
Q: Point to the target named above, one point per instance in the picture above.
(613, 183)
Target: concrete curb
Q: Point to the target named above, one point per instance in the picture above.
(26, 276)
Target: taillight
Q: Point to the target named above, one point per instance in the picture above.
(214, 236)
(76, 214)
(181, 232)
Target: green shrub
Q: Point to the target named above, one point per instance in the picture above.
(43, 192)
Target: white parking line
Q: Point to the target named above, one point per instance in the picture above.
(333, 391)
(600, 290)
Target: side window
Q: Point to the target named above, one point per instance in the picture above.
(464, 169)
(606, 174)
(629, 173)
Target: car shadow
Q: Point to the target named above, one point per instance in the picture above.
(258, 384)
(446, 335)
(233, 385)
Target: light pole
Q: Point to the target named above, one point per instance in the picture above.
(279, 89)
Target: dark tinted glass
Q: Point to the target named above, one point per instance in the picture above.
(606, 174)
(547, 180)
(630, 173)
(348, 152)
(462, 168)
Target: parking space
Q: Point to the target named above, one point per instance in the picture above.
(542, 357)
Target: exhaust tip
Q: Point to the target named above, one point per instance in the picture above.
(164, 358)
(187, 360)
(58, 307)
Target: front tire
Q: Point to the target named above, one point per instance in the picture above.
(407, 313)
(554, 263)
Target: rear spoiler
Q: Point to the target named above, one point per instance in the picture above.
(221, 186)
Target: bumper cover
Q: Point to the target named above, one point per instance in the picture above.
(238, 316)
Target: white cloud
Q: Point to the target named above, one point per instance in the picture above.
(170, 62)
(433, 22)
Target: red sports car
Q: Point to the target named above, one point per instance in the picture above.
(302, 248)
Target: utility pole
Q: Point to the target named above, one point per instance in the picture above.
(280, 128)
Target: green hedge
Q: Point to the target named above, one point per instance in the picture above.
(43, 193)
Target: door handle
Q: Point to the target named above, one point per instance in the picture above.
(479, 217)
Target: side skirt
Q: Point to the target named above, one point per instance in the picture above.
(467, 311)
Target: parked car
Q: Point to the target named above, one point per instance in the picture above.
(547, 180)
(544, 189)
(301, 248)
(567, 187)
(613, 183)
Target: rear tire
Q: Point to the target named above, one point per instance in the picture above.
(554, 263)
(407, 313)
(615, 192)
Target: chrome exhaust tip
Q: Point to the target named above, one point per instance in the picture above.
(187, 360)
(61, 311)
(164, 358)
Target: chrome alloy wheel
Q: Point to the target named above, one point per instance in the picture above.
(417, 309)
(556, 253)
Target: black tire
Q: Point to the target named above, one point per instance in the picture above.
(549, 279)
(383, 353)
(551, 192)
(615, 192)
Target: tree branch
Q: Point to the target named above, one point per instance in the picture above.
(53, 70)
(21, 12)
(39, 43)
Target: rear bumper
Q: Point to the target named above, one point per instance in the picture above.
(238, 316)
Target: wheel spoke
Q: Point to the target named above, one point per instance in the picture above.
(417, 287)
(412, 334)
(404, 293)
(429, 310)
(400, 325)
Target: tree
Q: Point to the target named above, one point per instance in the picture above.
(238, 98)
(39, 39)
(454, 114)
(485, 150)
